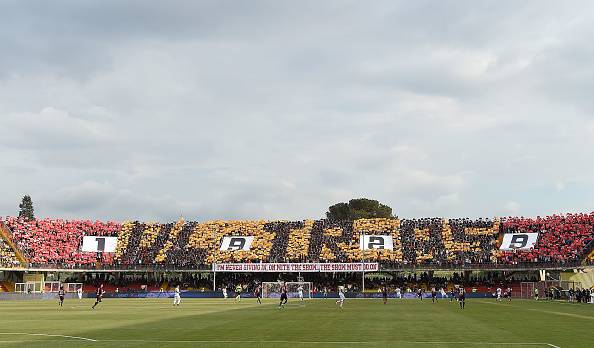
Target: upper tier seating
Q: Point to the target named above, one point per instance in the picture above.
(562, 238)
(57, 242)
(430, 241)
(8, 258)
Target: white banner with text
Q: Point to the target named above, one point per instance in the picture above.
(296, 267)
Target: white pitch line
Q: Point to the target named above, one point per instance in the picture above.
(38, 341)
(539, 310)
(561, 313)
(336, 342)
(275, 341)
(47, 335)
(499, 303)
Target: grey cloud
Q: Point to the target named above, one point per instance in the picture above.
(268, 109)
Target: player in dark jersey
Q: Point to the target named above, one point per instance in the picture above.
(433, 295)
(98, 296)
(509, 294)
(258, 294)
(283, 296)
(420, 293)
(61, 294)
(238, 290)
(385, 294)
(452, 295)
(462, 298)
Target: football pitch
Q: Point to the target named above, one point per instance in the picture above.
(313, 323)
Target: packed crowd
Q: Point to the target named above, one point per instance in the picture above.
(454, 242)
(57, 242)
(562, 238)
(433, 241)
(8, 258)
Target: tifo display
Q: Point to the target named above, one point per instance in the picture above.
(561, 240)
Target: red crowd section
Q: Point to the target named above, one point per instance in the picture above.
(57, 241)
(562, 239)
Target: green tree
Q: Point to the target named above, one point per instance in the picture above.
(26, 208)
(360, 208)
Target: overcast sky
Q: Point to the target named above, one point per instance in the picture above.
(277, 109)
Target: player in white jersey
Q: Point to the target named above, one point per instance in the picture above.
(443, 293)
(79, 292)
(225, 292)
(398, 293)
(300, 291)
(340, 296)
(176, 296)
(499, 294)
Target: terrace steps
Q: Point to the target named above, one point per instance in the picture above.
(7, 236)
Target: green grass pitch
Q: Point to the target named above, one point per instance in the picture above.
(313, 323)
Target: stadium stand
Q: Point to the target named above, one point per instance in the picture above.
(562, 239)
(57, 242)
(171, 240)
(438, 242)
(299, 241)
(590, 256)
(10, 255)
(8, 258)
